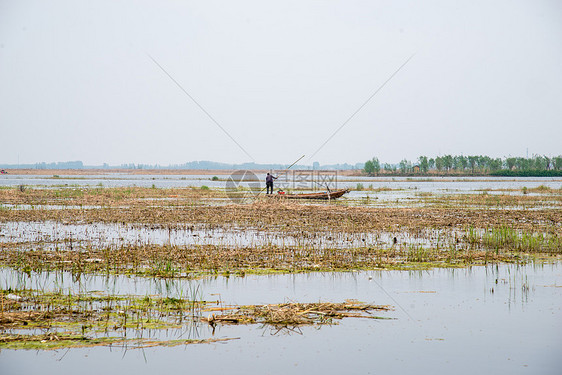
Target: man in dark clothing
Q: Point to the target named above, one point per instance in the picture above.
(269, 183)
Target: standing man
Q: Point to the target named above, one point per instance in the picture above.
(269, 183)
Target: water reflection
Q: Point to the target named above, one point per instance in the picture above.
(455, 318)
(513, 283)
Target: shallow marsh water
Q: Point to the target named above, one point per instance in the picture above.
(51, 235)
(111, 180)
(495, 319)
(423, 184)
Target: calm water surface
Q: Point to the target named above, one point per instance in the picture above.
(497, 319)
(422, 184)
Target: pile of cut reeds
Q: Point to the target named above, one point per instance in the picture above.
(295, 314)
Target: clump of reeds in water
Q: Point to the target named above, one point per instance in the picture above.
(506, 238)
(293, 314)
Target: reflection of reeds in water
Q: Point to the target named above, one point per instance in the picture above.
(77, 319)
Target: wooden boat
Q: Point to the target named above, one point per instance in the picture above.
(320, 195)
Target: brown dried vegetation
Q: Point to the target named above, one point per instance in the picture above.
(466, 230)
(292, 315)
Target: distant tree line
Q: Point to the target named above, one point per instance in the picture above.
(202, 165)
(60, 165)
(476, 164)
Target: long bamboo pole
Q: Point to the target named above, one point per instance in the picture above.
(286, 169)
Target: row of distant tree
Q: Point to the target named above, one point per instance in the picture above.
(476, 164)
(204, 164)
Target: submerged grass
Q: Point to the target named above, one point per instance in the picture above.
(31, 319)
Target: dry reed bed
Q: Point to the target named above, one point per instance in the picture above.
(550, 201)
(106, 197)
(472, 236)
(292, 315)
(280, 215)
(542, 197)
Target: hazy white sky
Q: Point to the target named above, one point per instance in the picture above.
(76, 82)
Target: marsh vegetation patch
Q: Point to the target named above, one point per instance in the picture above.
(192, 233)
(31, 319)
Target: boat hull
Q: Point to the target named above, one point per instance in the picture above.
(325, 195)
